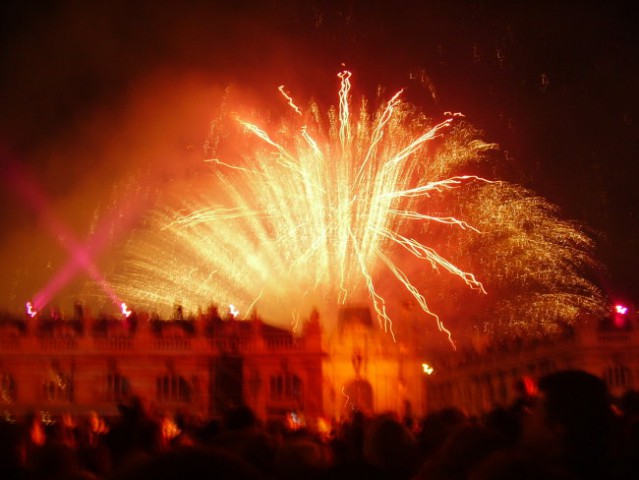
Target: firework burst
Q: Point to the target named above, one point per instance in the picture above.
(343, 206)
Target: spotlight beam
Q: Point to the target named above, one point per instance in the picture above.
(81, 254)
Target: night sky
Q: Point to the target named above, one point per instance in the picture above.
(90, 91)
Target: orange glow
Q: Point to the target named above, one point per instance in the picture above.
(97, 425)
(38, 437)
(323, 428)
(294, 421)
(170, 429)
(343, 207)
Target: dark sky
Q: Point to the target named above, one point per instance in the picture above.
(88, 89)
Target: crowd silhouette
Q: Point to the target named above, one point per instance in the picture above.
(565, 428)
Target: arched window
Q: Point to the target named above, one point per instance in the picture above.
(358, 396)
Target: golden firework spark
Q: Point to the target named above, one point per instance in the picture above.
(326, 208)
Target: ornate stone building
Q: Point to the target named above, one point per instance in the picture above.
(367, 369)
(479, 380)
(202, 366)
(206, 364)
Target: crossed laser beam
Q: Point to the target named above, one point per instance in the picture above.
(81, 253)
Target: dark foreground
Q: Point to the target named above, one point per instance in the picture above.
(566, 429)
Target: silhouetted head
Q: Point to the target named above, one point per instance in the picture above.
(390, 446)
(572, 422)
(12, 446)
(576, 401)
(239, 418)
(191, 463)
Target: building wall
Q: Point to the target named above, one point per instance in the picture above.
(65, 370)
(479, 381)
(359, 351)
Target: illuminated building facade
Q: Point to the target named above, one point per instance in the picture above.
(207, 364)
(200, 366)
(368, 370)
(480, 380)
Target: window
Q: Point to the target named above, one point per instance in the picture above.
(286, 387)
(7, 388)
(358, 395)
(173, 388)
(546, 367)
(57, 387)
(618, 376)
(118, 388)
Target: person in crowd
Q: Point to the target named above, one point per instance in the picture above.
(567, 430)
(13, 452)
(462, 451)
(436, 427)
(136, 435)
(572, 426)
(390, 446)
